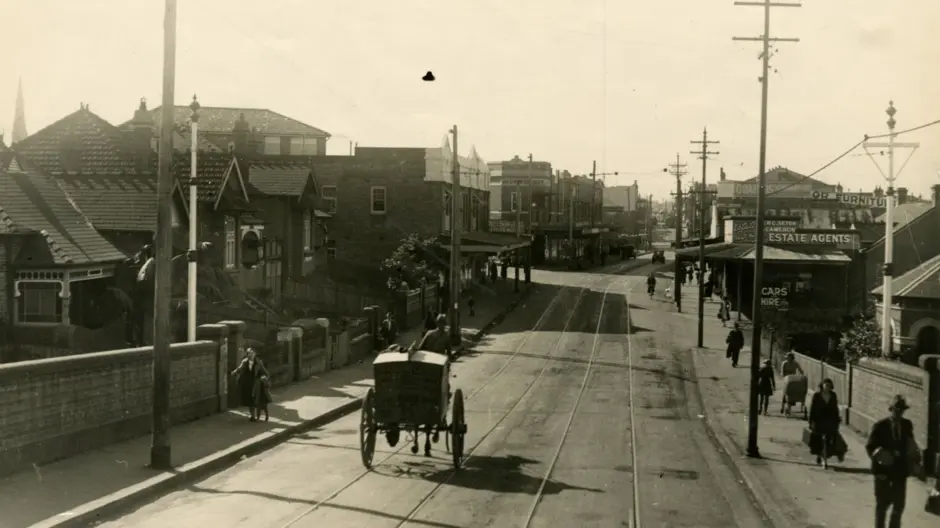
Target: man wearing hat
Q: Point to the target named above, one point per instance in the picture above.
(892, 448)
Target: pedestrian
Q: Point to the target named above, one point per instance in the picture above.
(724, 311)
(471, 303)
(735, 342)
(893, 452)
(824, 420)
(429, 323)
(253, 388)
(766, 385)
(389, 329)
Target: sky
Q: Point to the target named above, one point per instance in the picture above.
(628, 84)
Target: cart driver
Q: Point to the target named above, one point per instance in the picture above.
(437, 340)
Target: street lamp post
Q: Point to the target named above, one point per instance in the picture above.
(191, 256)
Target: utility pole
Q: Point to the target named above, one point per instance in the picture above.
(193, 222)
(649, 222)
(455, 233)
(518, 206)
(593, 191)
(756, 315)
(160, 429)
(702, 155)
(571, 189)
(887, 300)
(678, 170)
(531, 197)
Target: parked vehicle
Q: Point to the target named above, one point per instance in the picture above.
(659, 257)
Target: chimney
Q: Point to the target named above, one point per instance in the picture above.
(879, 192)
(141, 136)
(902, 195)
(722, 176)
(241, 135)
(936, 195)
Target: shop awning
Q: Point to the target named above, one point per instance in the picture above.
(802, 254)
(483, 242)
(722, 250)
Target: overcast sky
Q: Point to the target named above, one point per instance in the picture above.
(626, 83)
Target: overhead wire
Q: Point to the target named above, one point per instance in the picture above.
(849, 151)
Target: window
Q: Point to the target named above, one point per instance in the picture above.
(378, 201)
(39, 302)
(308, 231)
(296, 146)
(272, 145)
(310, 146)
(329, 194)
(513, 201)
(230, 244)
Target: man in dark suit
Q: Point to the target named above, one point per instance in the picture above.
(888, 446)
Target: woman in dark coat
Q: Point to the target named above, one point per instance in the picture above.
(252, 381)
(766, 385)
(824, 422)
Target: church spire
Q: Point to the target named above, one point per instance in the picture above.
(19, 117)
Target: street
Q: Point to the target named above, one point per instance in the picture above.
(581, 412)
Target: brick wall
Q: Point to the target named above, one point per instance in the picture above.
(866, 389)
(54, 408)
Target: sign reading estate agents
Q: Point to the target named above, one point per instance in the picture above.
(814, 239)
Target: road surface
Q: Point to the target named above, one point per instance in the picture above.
(578, 415)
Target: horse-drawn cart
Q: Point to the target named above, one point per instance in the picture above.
(412, 394)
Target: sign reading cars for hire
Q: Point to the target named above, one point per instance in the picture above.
(745, 231)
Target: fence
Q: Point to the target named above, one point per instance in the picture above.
(865, 390)
(332, 299)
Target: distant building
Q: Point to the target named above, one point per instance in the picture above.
(626, 196)
(515, 182)
(271, 133)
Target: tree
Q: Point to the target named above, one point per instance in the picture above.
(862, 339)
(415, 262)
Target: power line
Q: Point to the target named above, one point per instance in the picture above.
(849, 151)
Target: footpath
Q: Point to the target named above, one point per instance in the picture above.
(78, 490)
(786, 481)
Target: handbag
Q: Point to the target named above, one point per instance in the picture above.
(933, 502)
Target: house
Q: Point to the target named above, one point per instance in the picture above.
(55, 268)
(915, 310)
(111, 171)
(275, 134)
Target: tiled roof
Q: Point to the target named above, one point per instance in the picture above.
(906, 213)
(99, 145)
(115, 202)
(211, 173)
(222, 119)
(279, 179)
(922, 282)
(32, 202)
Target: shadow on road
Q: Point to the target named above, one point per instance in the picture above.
(500, 474)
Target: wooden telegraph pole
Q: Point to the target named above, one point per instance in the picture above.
(677, 169)
(702, 155)
(765, 39)
(160, 441)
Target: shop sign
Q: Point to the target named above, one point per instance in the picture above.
(524, 182)
(814, 239)
(864, 200)
(775, 298)
(745, 231)
(771, 190)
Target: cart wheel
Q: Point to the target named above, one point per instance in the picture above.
(367, 429)
(458, 429)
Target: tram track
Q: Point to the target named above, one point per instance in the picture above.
(634, 516)
(521, 346)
